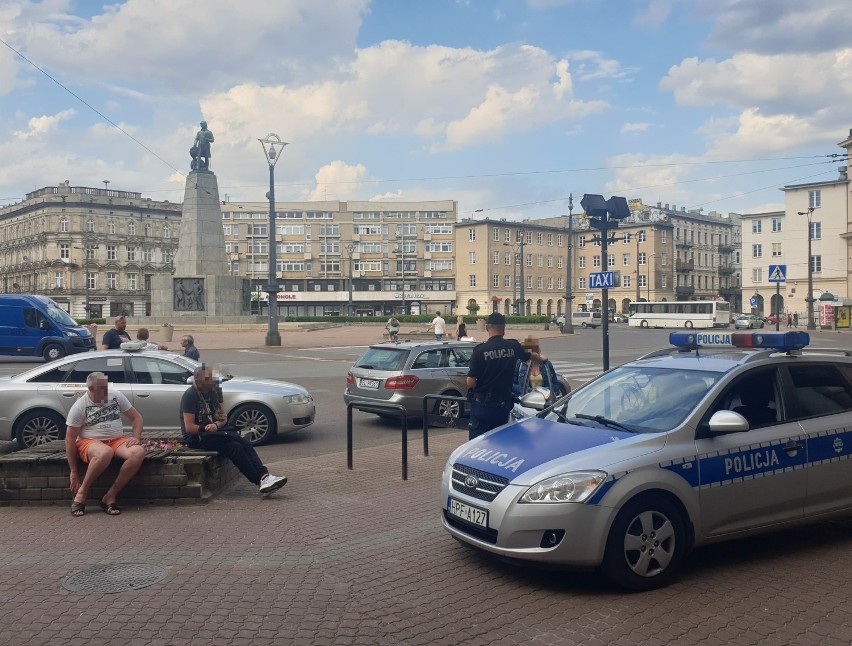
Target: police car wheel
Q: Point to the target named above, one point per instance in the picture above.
(646, 544)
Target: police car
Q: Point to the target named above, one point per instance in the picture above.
(721, 436)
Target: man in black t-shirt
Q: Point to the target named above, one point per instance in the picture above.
(490, 375)
(113, 338)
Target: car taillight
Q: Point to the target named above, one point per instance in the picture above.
(350, 380)
(406, 382)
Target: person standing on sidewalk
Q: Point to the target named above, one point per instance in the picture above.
(114, 337)
(439, 325)
(95, 435)
(204, 426)
(490, 376)
(189, 349)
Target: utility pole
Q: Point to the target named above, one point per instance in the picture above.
(568, 328)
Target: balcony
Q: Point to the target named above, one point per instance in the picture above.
(683, 244)
(684, 291)
(727, 248)
(685, 265)
(726, 270)
(729, 292)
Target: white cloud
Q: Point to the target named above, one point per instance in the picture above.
(38, 127)
(655, 14)
(338, 181)
(635, 127)
(591, 65)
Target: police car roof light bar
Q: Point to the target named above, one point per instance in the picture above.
(780, 341)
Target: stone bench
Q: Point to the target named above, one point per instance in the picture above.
(39, 476)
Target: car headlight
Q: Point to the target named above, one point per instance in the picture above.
(298, 399)
(568, 487)
(71, 333)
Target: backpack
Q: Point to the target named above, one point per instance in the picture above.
(394, 323)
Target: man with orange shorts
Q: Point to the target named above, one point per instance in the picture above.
(95, 435)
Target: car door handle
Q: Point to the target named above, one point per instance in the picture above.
(792, 447)
(68, 394)
(143, 394)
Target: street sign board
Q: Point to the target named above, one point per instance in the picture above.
(777, 273)
(602, 280)
(753, 301)
(590, 298)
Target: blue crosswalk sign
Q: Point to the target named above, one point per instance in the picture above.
(777, 273)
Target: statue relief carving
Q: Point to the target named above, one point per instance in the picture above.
(200, 151)
(189, 295)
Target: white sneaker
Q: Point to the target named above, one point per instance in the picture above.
(270, 483)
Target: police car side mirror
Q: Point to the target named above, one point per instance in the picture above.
(535, 400)
(727, 421)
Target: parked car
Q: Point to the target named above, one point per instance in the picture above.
(581, 319)
(35, 402)
(674, 450)
(403, 373)
(748, 322)
(617, 318)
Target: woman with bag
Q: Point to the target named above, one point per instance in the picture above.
(531, 375)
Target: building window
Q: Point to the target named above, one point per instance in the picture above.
(581, 283)
(471, 278)
(63, 225)
(147, 229)
(550, 282)
(495, 280)
(663, 236)
(471, 258)
(816, 230)
(776, 225)
(643, 280)
(625, 260)
(559, 240)
(540, 260)
(550, 262)
(581, 262)
(625, 281)
(529, 260)
(507, 281)
(112, 280)
(90, 226)
(539, 237)
(64, 251)
(148, 255)
(111, 226)
(111, 252)
(495, 258)
(507, 258)
(58, 277)
(776, 249)
(91, 280)
(757, 275)
(131, 229)
(643, 258)
(756, 251)
(496, 234)
(508, 236)
(132, 281)
(539, 282)
(817, 263)
(549, 239)
(814, 199)
(581, 242)
(610, 260)
(596, 261)
(471, 235)
(131, 254)
(167, 231)
(756, 226)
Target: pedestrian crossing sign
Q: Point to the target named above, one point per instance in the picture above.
(777, 273)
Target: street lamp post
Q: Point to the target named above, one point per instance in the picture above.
(638, 289)
(568, 328)
(350, 250)
(648, 280)
(810, 299)
(273, 338)
(518, 257)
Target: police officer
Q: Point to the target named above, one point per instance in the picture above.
(489, 377)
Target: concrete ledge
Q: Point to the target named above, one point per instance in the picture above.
(176, 476)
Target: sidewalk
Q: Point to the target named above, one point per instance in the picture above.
(356, 334)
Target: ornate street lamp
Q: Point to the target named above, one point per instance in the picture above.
(518, 257)
(568, 328)
(269, 142)
(810, 298)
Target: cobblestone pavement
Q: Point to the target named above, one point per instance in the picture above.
(359, 557)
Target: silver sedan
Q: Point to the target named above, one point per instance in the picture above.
(34, 403)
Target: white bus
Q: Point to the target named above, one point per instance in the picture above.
(680, 314)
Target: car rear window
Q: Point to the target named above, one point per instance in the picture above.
(383, 359)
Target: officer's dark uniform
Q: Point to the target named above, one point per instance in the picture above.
(493, 365)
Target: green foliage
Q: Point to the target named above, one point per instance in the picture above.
(421, 319)
(89, 321)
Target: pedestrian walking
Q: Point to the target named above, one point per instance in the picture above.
(490, 376)
(789, 320)
(795, 319)
(187, 342)
(439, 325)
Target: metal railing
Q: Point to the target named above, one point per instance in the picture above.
(444, 420)
(371, 408)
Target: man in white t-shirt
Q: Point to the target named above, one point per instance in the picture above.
(95, 435)
(439, 325)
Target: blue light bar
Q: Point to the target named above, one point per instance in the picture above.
(781, 341)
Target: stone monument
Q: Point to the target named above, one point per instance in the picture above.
(200, 288)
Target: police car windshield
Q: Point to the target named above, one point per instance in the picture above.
(638, 398)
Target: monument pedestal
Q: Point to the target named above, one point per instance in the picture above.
(200, 287)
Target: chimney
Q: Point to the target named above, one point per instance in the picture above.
(843, 174)
(683, 209)
(659, 205)
(667, 206)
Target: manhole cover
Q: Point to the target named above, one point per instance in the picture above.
(116, 577)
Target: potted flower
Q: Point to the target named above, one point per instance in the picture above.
(168, 331)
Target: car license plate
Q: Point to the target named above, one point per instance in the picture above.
(372, 384)
(467, 513)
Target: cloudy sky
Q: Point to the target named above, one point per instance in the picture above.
(504, 105)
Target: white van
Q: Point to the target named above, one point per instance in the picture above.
(580, 319)
(585, 319)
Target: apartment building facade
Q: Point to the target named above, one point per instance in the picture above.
(94, 251)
